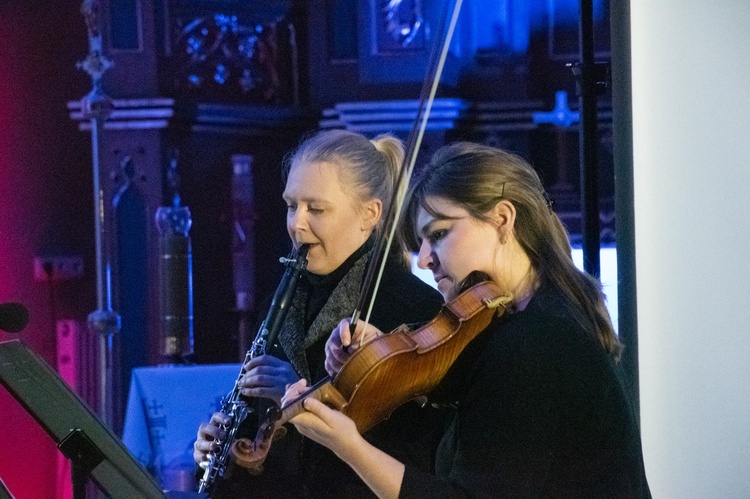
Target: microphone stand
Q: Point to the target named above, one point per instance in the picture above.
(97, 107)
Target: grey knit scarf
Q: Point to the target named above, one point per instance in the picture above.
(292, 336)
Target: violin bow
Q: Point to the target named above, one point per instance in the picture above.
(393, 213)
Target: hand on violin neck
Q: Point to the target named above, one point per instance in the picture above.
(320, 423)
(293, 392)
(342, 343)
(336, 431)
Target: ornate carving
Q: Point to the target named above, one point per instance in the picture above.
(96, 104)
(126, 173)
(219, 54)
(403, 20)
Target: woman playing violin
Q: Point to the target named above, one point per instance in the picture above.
(541, 405)
(337, 183)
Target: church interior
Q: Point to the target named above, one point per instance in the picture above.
(127, 126)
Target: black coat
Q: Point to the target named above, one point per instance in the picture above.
(542, 411)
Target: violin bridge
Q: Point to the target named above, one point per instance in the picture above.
(403, 328)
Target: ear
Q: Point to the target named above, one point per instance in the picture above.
(371, 213)
(503, 216)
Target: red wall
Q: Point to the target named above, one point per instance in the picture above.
(45, 205)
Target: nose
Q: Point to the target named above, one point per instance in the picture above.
(426, 259)
(296, 226)
(295, 220)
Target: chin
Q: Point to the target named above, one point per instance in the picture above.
(313, 269)
(318, 268)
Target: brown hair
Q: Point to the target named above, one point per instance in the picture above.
(475, 177)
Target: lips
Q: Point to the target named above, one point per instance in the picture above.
(444, 284)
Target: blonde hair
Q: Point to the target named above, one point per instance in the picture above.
(368, 168)
(475, 177)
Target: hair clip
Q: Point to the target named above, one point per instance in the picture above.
(550, 202)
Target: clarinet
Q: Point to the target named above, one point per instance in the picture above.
(232, 405)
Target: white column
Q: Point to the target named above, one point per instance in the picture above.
(691, 142)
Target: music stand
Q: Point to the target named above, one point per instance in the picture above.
(4, 492)
(95, 452)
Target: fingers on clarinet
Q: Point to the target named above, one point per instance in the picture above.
(249, 392)
(218, 418)
(202, 446)
(211, 434)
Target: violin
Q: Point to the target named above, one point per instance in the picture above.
(388, 371)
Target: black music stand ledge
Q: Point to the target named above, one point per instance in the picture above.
(94, 450)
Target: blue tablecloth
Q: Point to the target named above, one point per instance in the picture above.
(166, 404)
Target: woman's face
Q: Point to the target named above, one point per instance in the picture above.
(454, 244)
(325, 214)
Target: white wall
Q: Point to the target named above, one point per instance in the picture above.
(691, 142)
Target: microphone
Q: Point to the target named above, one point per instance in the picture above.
(13, 317)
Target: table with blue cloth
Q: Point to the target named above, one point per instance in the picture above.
(166, 404)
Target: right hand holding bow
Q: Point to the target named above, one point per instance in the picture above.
(341, 337)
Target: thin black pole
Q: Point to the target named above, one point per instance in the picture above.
(79, 477)
(622, 123)
(589, 142)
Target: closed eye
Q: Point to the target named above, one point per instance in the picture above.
(437, 235)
